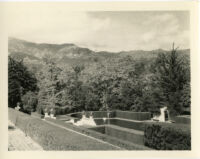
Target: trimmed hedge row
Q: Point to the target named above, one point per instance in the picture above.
(182, 120)
(165, 136)
(95, 114)
(128, 124)
(125, 134)
(52, 137)
(100, 114)
(119, 122)
(133, 115)
(121, 133)
(118, 142)
(115, 114)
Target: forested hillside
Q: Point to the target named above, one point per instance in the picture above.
(72, 78)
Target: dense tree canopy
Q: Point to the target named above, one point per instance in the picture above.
(121, 83)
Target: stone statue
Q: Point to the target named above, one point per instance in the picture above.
(18, 106)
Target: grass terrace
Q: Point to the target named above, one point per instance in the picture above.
(121, 131)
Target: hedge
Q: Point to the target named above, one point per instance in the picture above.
(121, 133)
(100, 114)
(133, 115)
(113, 140)
(95, 114)
(137, 125)
(54, 138)
(165, 136)
(182, 120)
(115, 114)
(128, 124)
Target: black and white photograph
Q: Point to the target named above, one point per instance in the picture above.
(98, 80)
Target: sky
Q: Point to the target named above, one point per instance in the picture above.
(102, 30)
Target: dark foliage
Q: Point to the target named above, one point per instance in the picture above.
(172, 78)
(20, 81)
(29, 101)
(163, 136)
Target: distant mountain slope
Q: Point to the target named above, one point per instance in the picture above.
(70, 53)
(39, 50)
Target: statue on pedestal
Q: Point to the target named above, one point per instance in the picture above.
(18, 106)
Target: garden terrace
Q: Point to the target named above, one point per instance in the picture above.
(115, 134)
(56, 135)
(135, 127)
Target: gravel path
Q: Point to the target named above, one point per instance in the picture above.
(18, 141)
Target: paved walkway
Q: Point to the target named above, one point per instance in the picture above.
(18, 141)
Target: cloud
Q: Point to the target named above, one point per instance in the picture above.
(114, 31)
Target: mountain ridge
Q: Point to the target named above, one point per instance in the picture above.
(71, 53)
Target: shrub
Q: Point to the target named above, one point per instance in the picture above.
(62, 110)
(29, 101)
(166, 136)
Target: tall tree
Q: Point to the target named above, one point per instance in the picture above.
(20, 81)
(75, 92)
(50, 86)
(171, 76)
